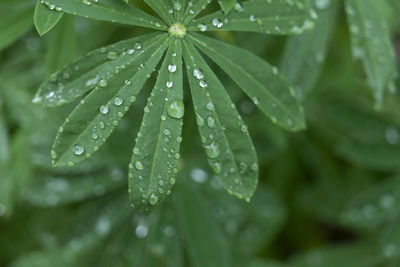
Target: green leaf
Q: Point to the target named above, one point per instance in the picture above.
(371, 43)
(272, 17)
(78, 78)
(44, 18)
(97, 115)
(155, 157)
(14, 22)
(202, 237)
(227, 5)
(194, 9)
(225, 137)
(390, 242)
(162, 7)
(63, 45)
(374, 206)
(304, 54)
(268, 89)
(109, 10)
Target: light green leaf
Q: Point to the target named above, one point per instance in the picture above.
(97, 115)
(63, 45)
(304, 54)
(268, 89)
(78, 78)
(155, 157)
(194, 9)
(225, 137)
(272, 17)
(44, 18)
(108, 10)
(371, 43)
(202, 237)
(227, 5)
(162, 7)
(14, 22)
(374, 206)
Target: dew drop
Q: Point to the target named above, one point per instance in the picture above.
(176, 109)
(104, 109)
(153, 199)
(139, 165)
(198, 74)
(172, 68)
(213, 150)
(78, 150)
(118, 101)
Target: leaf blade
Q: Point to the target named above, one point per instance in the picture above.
(271, 17)
(230, 152)
(95, 118)
(155, 156)
(45, 19)
(109, 10)
(252, 74)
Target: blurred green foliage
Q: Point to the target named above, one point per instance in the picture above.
(327, 196)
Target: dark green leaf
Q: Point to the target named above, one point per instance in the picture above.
(108, 10)
(272, 17)
(44, 18)
(225, 137)
(154, 163)
(268, 89)
(163, 8)
(97, 115)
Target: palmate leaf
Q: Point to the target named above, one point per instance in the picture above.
(371, 42)
(155, 157)
(97, 115)
(225, 137)
(14, 22)
(198, 228)
(44, 18)
(78, 78)
(108, 10)
(268, 89)
(273, 17)
(304, 54)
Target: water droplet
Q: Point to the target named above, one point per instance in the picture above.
(118, 101)
(104, 109)
(199, 119)
(203, 84)
(103, 83)
(176, 109)
(198, 74)
(169, 84)
(139, 165)
(210, 122)
(213, 150)
(202, 27)
(78, 150)
(172, 68)
(217, 23)
(153, 199)
(112, 55)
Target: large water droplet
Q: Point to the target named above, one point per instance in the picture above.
(153, 199)
(213, 150)
(176, 109)
(198, 74)
(104, 109)
(78, 150)
(139, 165)
(172, 68)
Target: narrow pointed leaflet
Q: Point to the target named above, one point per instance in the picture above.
(97, 115)
(163, 8)
(193, 9)
(108, 10)
(226, 5)
(272, 17)
(154, 163)
(78, 78)
(44, 18)
(225, 137)
(266, 87)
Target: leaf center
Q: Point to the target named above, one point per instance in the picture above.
(177, 29)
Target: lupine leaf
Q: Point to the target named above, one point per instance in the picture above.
(272, 17)
(304, 54)
(14, 22)
(374, 206)
(162, 8)
(268, 89)
(108, 10)
(76, 79)
(226, 5)
(62, 190)
(194, 9)
(198, 228)
(97, 115)
(155, 157)
(44, 18)
(371, 42)
(179, 7)
(63, 45)
(225, 137)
